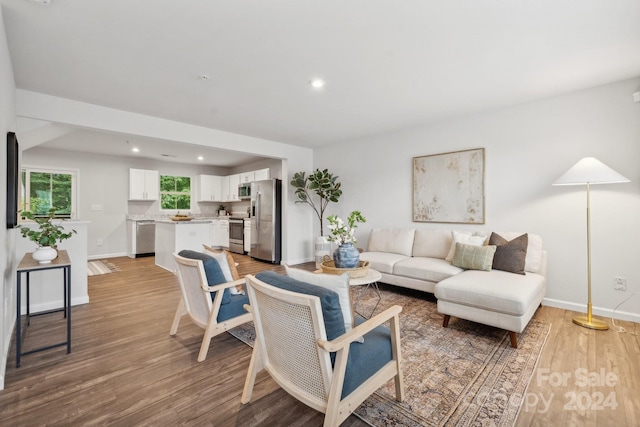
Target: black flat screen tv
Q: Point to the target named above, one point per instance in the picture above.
(13, 175)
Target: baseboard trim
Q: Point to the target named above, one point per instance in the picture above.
(53, 305)
(597, 311)
(103, 256)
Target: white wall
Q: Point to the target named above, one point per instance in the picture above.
(527, 148)
(7, 237)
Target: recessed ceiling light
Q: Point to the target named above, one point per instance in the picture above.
(200, 158)
(135, 149)
(317, 83)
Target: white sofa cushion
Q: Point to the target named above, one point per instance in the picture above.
(432, 243)
(381, 261)
(493, 290)
(431, 269)
(397, 241)
(533, 260)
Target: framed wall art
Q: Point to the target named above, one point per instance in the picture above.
(449, 187)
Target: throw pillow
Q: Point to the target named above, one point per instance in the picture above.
(466, 238)
(510, 255)
(212, 270)
(228, 266)
(472, 257)
(337, 283)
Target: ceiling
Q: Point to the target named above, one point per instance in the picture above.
(388, 65)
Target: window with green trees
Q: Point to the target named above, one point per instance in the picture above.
(46, 189)
(175, 192)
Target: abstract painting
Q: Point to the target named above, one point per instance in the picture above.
(449, 187)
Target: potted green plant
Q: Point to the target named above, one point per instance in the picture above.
(324, 184)
(222, 211)
(46, 236)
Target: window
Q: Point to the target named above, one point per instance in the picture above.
(43, 189)
(175, 192)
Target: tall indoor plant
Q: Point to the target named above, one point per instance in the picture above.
(46, 236)
(321, 183)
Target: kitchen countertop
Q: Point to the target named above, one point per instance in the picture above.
(193, 221)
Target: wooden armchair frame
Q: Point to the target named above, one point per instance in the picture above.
(196, 302)
(282, 318)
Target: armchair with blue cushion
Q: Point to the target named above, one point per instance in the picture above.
(207, 297)
(302, 343)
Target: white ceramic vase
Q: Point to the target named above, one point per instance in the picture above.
(45, 254)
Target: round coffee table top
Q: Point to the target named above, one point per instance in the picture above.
(371, 277)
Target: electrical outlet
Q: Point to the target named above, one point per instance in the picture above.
(99, 243)
(619, 283)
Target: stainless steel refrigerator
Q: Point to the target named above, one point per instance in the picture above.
(266, 223)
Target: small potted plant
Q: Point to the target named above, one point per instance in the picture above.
(222, 211)
(47, 236)
(346, 256)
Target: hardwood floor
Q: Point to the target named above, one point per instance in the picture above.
(125, 369)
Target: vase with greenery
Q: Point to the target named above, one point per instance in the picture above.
(321, 183)
(46, 236)
(346, 255)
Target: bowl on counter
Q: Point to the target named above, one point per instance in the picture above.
(181, 218)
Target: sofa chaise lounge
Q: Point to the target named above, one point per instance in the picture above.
(424, 260)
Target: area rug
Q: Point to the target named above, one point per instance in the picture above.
(466, 374)
(96, 268)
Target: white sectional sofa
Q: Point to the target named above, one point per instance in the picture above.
(418, 259)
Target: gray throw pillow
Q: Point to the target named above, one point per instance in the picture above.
(510, 255)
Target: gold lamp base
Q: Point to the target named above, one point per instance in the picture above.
(592, 323)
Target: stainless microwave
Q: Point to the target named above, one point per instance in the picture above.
(244, 190)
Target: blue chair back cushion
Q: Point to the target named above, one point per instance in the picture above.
(366, 358)
(212, 270)
(329, 300)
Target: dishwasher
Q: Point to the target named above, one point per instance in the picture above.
(145, 238)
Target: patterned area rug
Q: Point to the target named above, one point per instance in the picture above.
(95, 268)
(466, 374)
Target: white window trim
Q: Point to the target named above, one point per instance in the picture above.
(75, 198)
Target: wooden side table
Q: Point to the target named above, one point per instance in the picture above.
(29, 265)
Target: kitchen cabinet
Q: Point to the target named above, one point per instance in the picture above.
(247, 235)
(261, 174)
(224, 188)
(234, 181)
(210, 188)
(220, 233)
(144, 184)
(247, 177)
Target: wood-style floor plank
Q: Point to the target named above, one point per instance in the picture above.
(125, 369)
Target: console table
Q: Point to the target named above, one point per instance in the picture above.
(29, 265)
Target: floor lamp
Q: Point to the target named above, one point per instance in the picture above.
(586, 172)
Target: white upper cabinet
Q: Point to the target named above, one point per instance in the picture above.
(234, 182)
(247, 177)
(210, 188)
(224, 186)
(144, 184)
(261, 174)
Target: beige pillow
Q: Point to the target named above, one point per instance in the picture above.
(466, 238)
(227, 264)
(472, 257)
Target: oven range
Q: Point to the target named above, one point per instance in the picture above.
(236, 235)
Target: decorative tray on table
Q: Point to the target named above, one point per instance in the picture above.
(329, 267)
(181, 218)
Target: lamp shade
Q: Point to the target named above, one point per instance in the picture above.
(590, 171)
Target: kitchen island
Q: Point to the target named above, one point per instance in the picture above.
(174, 236)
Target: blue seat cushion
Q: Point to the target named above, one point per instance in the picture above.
(212, 270)
(329, 300)
(366, 358)
(234, 308)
